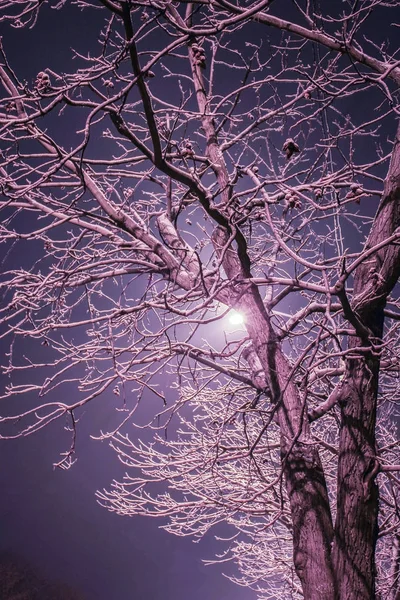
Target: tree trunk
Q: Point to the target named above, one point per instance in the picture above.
(303, 474)
(301, 465)
(357, 499)
(395, 570)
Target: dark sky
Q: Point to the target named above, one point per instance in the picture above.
(50, 517)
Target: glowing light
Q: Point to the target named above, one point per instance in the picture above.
(236, 318)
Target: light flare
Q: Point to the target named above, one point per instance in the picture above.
(236, 318)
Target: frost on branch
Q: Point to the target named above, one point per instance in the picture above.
(147, 190)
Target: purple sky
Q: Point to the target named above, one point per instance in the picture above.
(50, 517)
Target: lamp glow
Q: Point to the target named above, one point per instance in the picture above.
(236, 318)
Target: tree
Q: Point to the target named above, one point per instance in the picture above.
(228, 156)
(18, 581)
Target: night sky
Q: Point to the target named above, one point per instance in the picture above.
(50, 518)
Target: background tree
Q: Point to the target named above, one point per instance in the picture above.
(223, 156)
(19, 581)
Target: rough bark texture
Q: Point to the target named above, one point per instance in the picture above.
(395, 570)
(301, 465)
(357, 501)
(356, 522)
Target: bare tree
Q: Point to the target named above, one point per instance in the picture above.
(228, 156)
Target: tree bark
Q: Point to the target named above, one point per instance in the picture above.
(357, 498)
(301, 465)
(395, 570)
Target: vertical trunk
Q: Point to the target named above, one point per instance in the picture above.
(357, 497)
(303, 474)
(357, 500)
(301, 465)
(394, 577)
